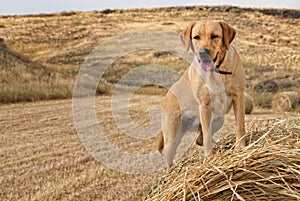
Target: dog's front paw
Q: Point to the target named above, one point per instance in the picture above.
(240, 146)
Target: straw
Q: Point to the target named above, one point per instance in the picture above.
(267, 169)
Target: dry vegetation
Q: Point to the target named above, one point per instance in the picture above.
(268, 169)
(42, 157)
(41, 54)
(25, 80)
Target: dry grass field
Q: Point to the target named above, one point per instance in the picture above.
(41, 155)
(41, 54)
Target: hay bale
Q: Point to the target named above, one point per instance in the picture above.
(248, 103)
(285, 101)
(267, 169)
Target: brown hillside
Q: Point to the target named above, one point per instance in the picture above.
(14, 64)
(267, 40)
(24, 80)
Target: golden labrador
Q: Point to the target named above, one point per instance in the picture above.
(208, 89)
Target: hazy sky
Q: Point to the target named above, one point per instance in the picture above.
(46, 6)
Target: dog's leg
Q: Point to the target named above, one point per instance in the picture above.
(171, 137)
(205, 110)
(170, 126)
(239, 112)
(216, 126)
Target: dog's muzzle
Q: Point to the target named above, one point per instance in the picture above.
(205, 61)
(209, 65)
(204, 55)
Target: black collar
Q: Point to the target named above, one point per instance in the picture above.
(216, 68)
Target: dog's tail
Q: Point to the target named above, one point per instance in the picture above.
(160, 141)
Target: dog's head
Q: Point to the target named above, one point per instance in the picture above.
(208, 40)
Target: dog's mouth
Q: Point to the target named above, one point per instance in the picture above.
(205, 61)
(207, 65)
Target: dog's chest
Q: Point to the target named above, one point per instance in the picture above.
(211, 84)
(221, 101)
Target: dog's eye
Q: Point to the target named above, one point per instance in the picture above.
(197, 37)
(214, 36)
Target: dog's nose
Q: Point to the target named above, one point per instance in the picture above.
(204, 50)
(204, 54)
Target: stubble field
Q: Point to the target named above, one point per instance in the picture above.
(42, 157)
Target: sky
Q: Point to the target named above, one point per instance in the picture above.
(17, 7)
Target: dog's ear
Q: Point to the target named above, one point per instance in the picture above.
(228, 34)
(186, 36)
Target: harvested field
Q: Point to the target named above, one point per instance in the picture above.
(42, 157)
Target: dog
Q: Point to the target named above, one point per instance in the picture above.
(212, 85)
